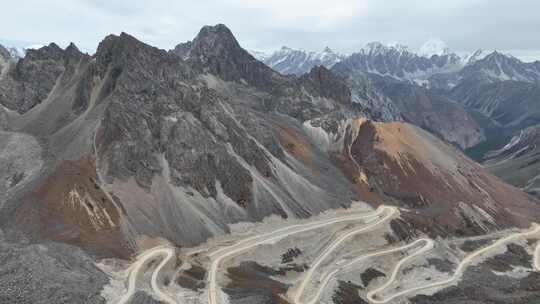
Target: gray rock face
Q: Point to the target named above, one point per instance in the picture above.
(391, 100)
(30, 81)
(511, 104)
(216, 49)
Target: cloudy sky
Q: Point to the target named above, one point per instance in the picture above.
(344, 25)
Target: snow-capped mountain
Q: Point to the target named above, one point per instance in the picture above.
(474, 56)
(497, 66)
(291, 61)
(398, 62)
(434, 46)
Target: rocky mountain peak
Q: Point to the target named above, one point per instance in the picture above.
(51, 51)
(216, 50)
(212, 41)
(72, 52)
(119, 48)
(497, 66)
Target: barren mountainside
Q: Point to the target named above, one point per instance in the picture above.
(102, 156)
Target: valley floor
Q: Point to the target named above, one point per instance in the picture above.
(309, 261)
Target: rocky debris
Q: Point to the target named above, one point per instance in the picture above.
(347, 293)
(472, 245)
(369, 275)
(290, 255)
(515, 255)
(141, 297)
(20, 162)
(192, 278)
(251, 283)
(48, 273)
(69, 206)
(403, 230)
(442, 265)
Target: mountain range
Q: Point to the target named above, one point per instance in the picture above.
(102, 156)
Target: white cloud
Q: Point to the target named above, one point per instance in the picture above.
(345, 25)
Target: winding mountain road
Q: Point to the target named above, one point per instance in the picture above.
(167, 253)
(344, 268)
(230, 251)
(383, 213)
(371, 296)
(391, 211)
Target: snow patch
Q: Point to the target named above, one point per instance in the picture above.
(434, 46)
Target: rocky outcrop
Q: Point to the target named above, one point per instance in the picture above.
(325, 83)
(219, 53)
(391, 100)
(31, 80)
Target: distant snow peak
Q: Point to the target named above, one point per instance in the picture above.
(397, 46)
(259, 55)
(434, 46)
(376, 48)
(19, 52)
(292, 61)
(475, 56)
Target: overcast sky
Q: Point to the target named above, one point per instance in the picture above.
(344, 25)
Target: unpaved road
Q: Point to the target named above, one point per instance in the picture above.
(390, 212)
(537, 257)
(167, 253)
(230, 251)
(343, 268)
(371, 296)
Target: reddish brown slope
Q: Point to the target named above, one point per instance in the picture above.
(445, 191)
